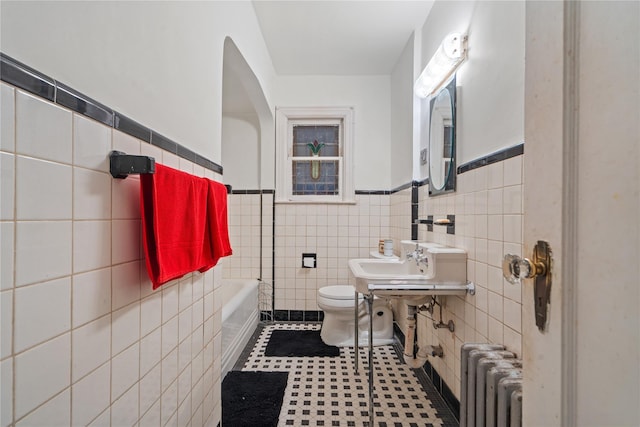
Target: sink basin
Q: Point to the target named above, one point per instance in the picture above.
(445, 273)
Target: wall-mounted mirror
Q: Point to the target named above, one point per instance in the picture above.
(442, 140)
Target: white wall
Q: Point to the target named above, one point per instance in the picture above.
(491, 81)
(401, 141)
(608, 190)
(148, 60)
(369, 95)
(241, 151)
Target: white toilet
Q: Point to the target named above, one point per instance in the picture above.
(337, 303)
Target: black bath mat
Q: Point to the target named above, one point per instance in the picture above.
(252, 399)
(298, 344)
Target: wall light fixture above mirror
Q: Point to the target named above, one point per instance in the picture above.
(450, 54)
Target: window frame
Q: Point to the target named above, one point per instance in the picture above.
(286, 118)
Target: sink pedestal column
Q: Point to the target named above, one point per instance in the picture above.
(369, 299)
(356, 356)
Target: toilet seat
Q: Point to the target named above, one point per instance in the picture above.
(338, 292)
(338, 297)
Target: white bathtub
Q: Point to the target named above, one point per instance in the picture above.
(239, 318)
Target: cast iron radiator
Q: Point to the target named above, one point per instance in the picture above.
(490, 386)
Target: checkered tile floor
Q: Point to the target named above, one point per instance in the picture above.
(326, 391)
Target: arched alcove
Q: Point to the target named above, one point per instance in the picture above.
(248, 158)
(247, 124)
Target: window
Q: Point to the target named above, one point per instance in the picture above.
(314, 155)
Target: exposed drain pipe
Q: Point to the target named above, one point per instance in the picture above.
(420, 358)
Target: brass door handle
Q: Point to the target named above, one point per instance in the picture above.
(515, 268)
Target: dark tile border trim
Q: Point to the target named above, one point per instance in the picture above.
(26, 78)
(131, 127)
(373, 192)
(263, 191)
(421, 183)
(401, 187)
(76, 101)
(164, 143)
(273, 250)
(415, 207)
(498, 156)
(298, 315)
(359, 192)
(247, 192)
(36, 83)
(429, 374)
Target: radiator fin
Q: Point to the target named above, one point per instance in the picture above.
(490, 376)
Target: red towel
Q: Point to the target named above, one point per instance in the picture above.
(174, 223)
(184, 223)
(217, 224)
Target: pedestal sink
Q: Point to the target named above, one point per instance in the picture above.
(427, 270)
(431, 270)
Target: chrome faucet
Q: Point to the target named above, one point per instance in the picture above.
(419, 256)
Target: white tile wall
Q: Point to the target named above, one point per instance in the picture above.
(42, 311)
(335, 233)
(90, 141)
(244, 236)
(150, 313)
(91, 395)
(102, 420)
(488, 208)
(124, 371)
(6, 316)
(91, 194)
(91, 245)
(400, 217)
(150, 351)
(7, 118)
(6, 391)
(150, 388)
(7, 185)
(152, 417)
(41, 373)
(51, 139)
(91, 296)
(85, 340)
(125, 410)
(43, 251)
(91, 347)
(125, 284)
(7, 239)
(52, 412)
(43, 190)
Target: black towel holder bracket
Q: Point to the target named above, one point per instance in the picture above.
(122, 165)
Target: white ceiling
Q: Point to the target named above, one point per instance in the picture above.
(338, 37)
(330, 37)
